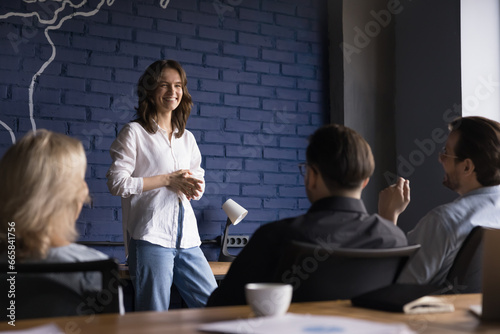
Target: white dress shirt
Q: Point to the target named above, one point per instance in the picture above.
(153, 215)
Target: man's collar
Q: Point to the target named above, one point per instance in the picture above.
(483, 190)
(338, 203)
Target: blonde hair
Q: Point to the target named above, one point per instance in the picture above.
(42, 188)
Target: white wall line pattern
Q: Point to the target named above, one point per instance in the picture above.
(12, 137)
(53, 24)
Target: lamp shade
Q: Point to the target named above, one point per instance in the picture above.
(234, 211)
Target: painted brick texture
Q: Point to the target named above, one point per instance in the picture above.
(255, 70)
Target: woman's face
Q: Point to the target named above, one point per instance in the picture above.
(168, 95)
(83, 197)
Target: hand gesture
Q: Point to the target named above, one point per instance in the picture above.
(394, 199)
(181, 181)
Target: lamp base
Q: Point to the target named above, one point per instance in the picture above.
(224, 255)
(226, 258)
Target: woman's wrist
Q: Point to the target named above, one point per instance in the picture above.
(166, 179)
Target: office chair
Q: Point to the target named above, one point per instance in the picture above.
(39, 296)
(327, 274)
(464, 275)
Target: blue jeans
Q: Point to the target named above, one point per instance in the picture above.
(154, 268)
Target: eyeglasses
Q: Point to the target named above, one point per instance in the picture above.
(443, 154)
(302, 168)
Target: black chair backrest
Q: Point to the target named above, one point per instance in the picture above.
(464, 275)
(318, 273)
(37, 295)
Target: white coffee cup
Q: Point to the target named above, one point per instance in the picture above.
(268, 299)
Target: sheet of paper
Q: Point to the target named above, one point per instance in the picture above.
(305, 324)
(45, 329)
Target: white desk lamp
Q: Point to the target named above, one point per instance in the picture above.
(235, 213)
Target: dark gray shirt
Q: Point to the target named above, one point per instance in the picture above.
(331, 222)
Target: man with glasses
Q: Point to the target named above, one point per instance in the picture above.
(471, 164)
(339, 165)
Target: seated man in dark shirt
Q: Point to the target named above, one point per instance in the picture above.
(339, 165)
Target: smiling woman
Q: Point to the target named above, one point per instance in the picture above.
(168, 95)
(160, 81)
(157, 170)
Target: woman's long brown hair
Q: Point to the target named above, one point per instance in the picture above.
(147, 85)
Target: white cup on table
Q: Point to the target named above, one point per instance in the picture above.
(268, 299)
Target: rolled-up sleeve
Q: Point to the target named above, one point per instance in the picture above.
(123, 152)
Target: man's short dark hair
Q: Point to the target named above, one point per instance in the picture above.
(341, 155)
(479, 140)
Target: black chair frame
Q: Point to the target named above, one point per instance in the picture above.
(37, 296)
(319, 273)
(464, 275)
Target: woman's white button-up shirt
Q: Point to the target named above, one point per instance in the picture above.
(153, 215)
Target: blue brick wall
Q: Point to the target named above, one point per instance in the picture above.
(256, 71)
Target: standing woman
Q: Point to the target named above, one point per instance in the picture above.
(156, 170)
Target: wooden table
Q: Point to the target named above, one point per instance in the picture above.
(218, 268)
(187, 321)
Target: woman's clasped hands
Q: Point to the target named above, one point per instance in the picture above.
(181, 181)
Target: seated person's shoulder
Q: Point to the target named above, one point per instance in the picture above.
(74, 253)
(270, 230)
(376, 232)
(443, 214)
(398, 236)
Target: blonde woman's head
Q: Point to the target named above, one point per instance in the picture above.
(42, 190)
